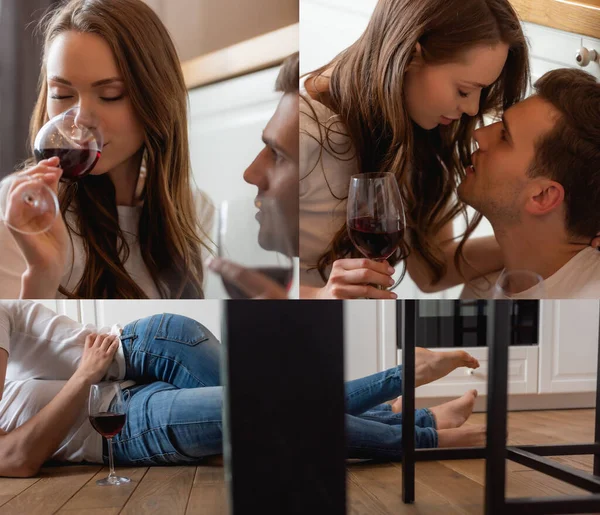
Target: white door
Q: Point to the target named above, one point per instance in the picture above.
(568, 346)
(369, 337)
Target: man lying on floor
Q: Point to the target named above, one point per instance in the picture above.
(170, 366)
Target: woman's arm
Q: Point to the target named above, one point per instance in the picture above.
(42, 259)
(24, 450)
(482, 253)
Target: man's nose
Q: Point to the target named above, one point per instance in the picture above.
(254, 174)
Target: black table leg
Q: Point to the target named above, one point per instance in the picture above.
(409, 320)
(285, 445)
(498, 339)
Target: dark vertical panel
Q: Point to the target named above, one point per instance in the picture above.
(284, 374)
(499, 335)
(408, 333)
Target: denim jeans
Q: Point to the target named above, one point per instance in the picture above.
(372, 429)
(175, 409)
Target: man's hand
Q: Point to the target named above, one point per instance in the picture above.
(98, 353)
(253, 284)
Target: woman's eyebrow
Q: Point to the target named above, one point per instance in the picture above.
(102, 82)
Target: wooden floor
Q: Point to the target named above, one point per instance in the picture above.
(442, 488)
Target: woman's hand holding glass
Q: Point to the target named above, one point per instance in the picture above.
(358, 278)
(45, 251)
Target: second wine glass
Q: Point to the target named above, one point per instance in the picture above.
(252, 233)
(107, 412)
(515, 283)
(375, 215)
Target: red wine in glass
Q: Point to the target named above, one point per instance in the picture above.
(281, 275)
(75, 163)
(108, 424)
(376, 239)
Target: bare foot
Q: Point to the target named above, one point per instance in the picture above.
(469, 435)
(454, 413)
(430, 365)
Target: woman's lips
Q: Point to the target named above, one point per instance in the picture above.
(447, 121)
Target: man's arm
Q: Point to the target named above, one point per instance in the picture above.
(24, 450)
(483, 255)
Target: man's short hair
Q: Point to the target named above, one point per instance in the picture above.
(570, 152)
(288, 80)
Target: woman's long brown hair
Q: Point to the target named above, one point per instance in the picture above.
(366, 90)
(169, 236)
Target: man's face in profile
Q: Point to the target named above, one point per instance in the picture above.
(275, 172)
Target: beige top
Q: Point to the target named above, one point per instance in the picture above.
(324, 179)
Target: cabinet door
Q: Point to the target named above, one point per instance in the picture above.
(103, 313)
(568, 346)
(522, 374)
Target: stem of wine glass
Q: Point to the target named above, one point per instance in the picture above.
(111, 460)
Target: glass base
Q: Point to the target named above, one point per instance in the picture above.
(113, 481)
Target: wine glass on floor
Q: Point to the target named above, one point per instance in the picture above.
(253, 234)
(107, 413)
(27, 204)
(375, 215)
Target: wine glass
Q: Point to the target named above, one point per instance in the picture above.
(75, 139)
(512, 283)
(27, 204)
(107, 413)
(253, 234)
(375, 215)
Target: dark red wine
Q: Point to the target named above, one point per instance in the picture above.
(76, 163)
(282, 276)
(108, 424)
(376, 239)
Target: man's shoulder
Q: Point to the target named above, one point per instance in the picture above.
(579, 278)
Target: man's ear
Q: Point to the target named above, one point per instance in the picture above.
(545, 197)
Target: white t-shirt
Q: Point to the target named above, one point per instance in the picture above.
(579, 278)
(44, 350)
(324, 175)
(12, 263)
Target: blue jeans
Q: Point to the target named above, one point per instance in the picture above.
(373, 430)
(175, 409)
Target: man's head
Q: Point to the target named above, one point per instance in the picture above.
(275, 169)
(543, 159)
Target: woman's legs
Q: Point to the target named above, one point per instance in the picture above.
(173, 349)
(423, 417)
(367, 392)
(166, 424)
(368, 439)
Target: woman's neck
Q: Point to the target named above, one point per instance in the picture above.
(125, 178)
